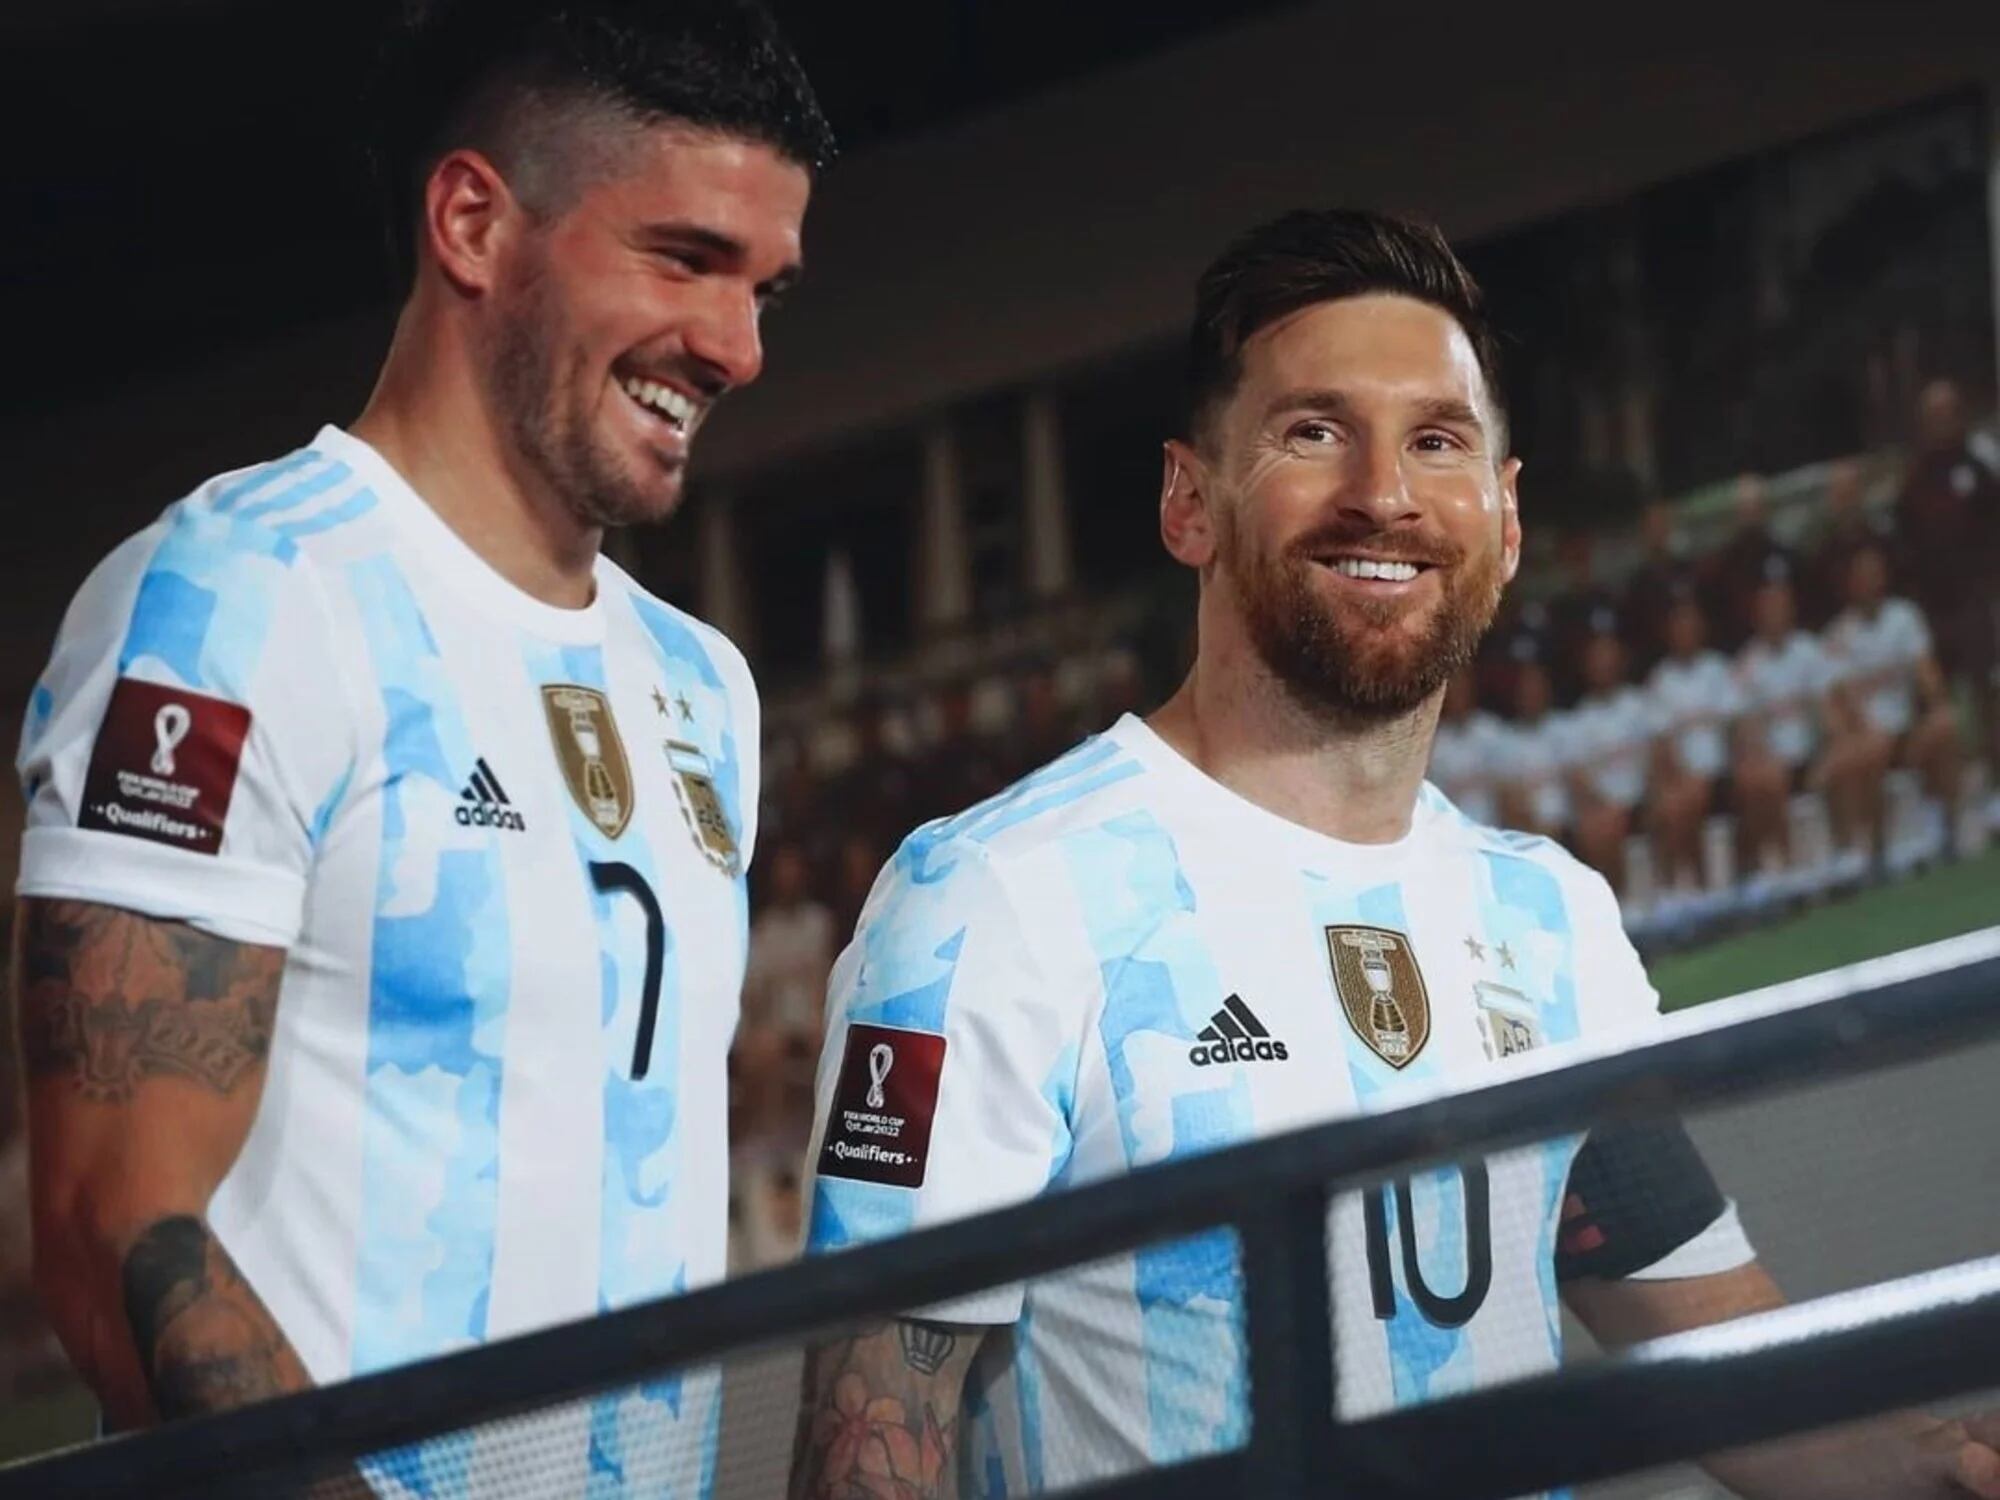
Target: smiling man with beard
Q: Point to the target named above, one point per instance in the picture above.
(383, 912)
(1249, 913)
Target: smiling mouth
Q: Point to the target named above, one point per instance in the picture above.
(663, 401)
(1375, 569)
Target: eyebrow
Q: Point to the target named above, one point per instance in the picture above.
(723, 247)
(1443, 410)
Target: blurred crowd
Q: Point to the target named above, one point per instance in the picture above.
(1803, 705)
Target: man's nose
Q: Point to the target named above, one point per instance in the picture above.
(1376, 489)
(726, 336)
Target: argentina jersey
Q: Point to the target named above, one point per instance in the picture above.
(504, 847)
(1120, 962)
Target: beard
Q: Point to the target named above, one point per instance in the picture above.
(1360, 660)
(548, 418)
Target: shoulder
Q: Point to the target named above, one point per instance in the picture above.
(1087, 786)
(267, 512)
(1902, 614)
(681, 634)
(218, 566)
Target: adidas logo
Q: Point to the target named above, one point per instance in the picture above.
(484, 805)
(1235, 1035)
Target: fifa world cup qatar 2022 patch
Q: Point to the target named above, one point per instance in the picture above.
(879, 1126)
(164, 765)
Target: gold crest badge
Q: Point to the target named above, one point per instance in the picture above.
(701, 805)
(1382, 991)
(591, 754)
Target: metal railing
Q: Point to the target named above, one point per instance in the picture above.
(1723, 1386)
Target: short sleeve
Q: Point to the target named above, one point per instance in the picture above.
(1614, 996)
(948, 1061)
(191, 737)
(1650, 1197)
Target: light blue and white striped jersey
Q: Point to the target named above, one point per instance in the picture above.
(503, 844)
(1119, 962)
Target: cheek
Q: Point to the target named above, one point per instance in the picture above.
(1469, 510)
(1282, 497)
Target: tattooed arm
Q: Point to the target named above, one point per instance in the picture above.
(145, 1044)
(882, 1405)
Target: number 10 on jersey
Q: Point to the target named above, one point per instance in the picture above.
(1437, 1309)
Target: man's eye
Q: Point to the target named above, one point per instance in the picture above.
(1438, 442)
(1312, 433)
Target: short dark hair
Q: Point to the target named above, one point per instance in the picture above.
(454, 71)
(1325, 255)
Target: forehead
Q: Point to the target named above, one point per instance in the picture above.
(671, 174)
(1382, 345)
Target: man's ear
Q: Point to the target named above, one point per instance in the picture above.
(1510, 519)
(469, 215)
(1186, 527)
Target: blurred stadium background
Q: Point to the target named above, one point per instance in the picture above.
(1746, 261)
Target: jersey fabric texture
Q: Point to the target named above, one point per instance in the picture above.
(1119, 962)
(503, 845)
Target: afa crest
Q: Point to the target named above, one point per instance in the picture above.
(701, 805)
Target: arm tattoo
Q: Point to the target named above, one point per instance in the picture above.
(205, 1340)
(926, 1346)
(880, 1414)
(110, 998)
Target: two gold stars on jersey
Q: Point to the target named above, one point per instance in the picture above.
(599, 777)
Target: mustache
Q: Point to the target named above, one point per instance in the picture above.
(1421, 547)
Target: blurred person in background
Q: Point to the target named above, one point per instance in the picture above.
(856, 858)
(1798, 734)
(1611, 752)
(1732, 572)
(1948, 523)
(792, 944)
(1662, 572)
(378, 950)
(1583, 608)
(1882, 645)
(1469, 752)
(1846, 525)
(1694, 701)
(1535, 766)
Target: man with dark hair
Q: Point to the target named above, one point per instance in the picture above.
(1248, 913)
(382, 918)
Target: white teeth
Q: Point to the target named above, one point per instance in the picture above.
(668, 402)
(1368, 567)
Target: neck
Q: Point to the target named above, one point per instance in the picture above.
(428, 420)
(1350, 779)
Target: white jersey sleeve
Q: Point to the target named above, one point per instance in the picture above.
(1618, 1000)
(948, 1057)
(189, 740)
